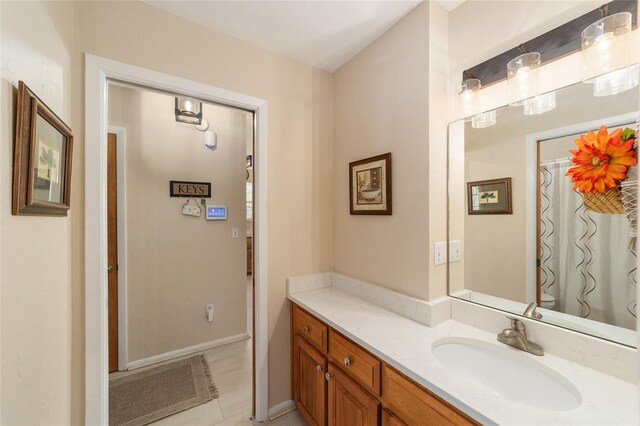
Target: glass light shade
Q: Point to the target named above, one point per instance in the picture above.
(607, 45)
(522, 77)
(540, 104)
(188, 111)
(482, 120)
(469, 98)
(616, 81)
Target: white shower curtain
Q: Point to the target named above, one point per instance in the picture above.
(586, 262)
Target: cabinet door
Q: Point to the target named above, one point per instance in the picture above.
(310, 385)
(349, 404)
(389, 419)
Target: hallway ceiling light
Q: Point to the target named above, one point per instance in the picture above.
(608, 46)
(188, 111)
(469, 98)
(522, 77)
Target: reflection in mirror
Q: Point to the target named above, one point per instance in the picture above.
(568, 243)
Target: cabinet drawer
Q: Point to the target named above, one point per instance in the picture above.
(312, 329)
(361, 365)
(414, 405)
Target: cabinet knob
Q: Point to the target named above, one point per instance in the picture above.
(306, 329)
(319, 368)
(327, 376)
(347, 361)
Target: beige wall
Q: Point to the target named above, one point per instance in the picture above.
(440, 108)
(35, 252)
(381, 105)
(176, 264)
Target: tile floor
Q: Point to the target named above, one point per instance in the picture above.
(231, 370)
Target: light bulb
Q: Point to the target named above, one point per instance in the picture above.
(522, 77)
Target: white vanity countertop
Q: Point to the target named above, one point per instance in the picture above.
(406, 345)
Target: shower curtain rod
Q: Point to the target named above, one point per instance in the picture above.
(556, 161)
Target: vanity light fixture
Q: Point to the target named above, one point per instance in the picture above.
(469, 98)
(522, 77)
(485, 119)
(188, 111)
(608, 46)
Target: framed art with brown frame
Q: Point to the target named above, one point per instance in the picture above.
(42, 156)
(370, 186)
(489, 196)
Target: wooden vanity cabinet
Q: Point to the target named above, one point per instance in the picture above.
(336, 382)
(349, 404)
(414, 404)
(309, 382)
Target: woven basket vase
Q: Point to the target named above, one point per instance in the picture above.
(608, 202)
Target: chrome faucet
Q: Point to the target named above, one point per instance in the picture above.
(531, 311)
(516, 337)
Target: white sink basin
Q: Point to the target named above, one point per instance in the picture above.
(510, 375)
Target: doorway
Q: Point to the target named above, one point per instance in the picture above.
(98, 71)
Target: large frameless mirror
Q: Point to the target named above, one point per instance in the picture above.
(543, 207)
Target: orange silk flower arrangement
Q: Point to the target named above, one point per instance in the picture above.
(602, 159)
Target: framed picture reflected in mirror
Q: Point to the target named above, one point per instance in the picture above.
(43, 149)
(489, 196)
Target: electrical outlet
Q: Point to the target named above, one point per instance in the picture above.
(209, 312)
(440, 253)
(454, 251)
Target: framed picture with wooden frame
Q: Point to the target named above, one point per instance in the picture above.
(489, 196)
(370, 186)
(42, 157)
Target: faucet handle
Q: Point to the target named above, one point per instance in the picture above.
(516, 324)
(531, 312)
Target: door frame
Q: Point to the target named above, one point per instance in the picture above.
(531, 174)
(98, 71)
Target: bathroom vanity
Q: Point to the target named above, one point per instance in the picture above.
(336, 381)
(358, 359)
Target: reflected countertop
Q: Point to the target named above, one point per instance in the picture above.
(406, 345)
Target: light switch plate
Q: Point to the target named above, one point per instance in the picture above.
(440, 253)
(454, 251)
(235, 232)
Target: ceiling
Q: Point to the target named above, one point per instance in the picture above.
(324, 34)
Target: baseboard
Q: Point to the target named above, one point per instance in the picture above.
(185, 351)
(281, 409)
